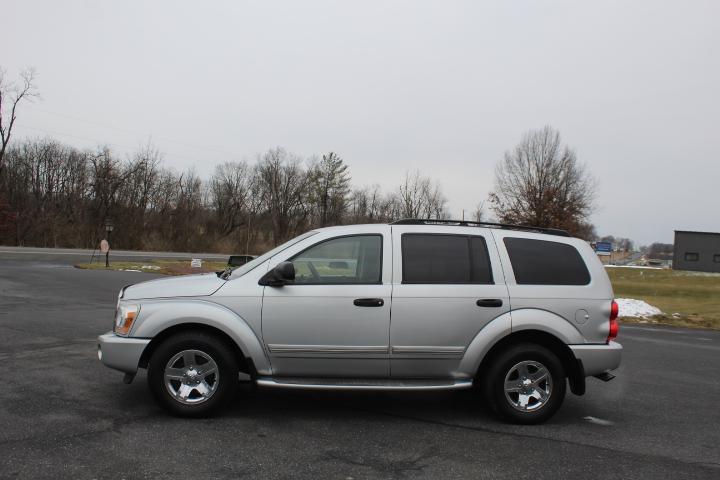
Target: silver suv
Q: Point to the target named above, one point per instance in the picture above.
(413, 305)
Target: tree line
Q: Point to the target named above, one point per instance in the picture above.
(56, 195)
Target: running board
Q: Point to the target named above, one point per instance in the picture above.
(363, 384)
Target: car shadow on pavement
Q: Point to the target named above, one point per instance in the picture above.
(456, 408)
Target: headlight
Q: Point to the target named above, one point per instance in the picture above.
(124, 318)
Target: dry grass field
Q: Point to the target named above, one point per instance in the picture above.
(688, 299)
(165, 267)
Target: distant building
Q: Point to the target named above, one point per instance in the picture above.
(697, 251)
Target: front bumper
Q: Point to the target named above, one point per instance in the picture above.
(121, 353)
(597, 359)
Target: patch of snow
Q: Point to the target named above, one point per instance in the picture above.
(629, 307)
(129, 270)
(150, 267)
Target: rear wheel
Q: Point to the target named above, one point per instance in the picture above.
(193, 374)
(525, 383)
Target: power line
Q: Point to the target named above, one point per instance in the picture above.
(99, 142)
(137, 132)
(54, 132)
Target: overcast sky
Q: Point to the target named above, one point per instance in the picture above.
(446, 87)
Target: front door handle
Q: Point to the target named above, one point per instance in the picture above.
(368, 302)
(489, 302)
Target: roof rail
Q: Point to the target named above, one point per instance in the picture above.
(469, 223)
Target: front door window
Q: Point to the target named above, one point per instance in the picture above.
(341, 261)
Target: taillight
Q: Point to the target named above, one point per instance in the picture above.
(614, 327)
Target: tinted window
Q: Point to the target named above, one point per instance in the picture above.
(355, 259)
(541, 262)
(445, 259)
(482, 272)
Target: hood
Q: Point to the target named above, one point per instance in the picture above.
(184, 286)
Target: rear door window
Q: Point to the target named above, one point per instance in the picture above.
(542, 262)
(437, 259)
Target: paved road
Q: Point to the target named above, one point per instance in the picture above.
(64, 415)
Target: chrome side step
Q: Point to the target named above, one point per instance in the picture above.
(363, 384)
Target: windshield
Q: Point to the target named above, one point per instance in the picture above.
(240, 271)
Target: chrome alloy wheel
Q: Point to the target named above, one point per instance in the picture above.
(528, 386)
(191, 377)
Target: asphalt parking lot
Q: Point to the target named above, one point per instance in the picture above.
(64, 415)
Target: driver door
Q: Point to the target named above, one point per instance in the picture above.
(334, 320)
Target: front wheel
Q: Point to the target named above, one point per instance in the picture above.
(525, 384)
(193, 374)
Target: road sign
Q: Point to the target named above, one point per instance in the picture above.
(196, 263)
(104, 246)
(603, 248)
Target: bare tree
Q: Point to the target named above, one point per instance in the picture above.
(541, 183)
(232, 195)
(478, 215)
(187, 226)
(58, 195)
(107, 179)
(281, 185)
(12, 94)
(141, 173)
(370, 205)
(420, 197)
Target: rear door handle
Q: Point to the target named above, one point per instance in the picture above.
(368, 302)
(489, 302)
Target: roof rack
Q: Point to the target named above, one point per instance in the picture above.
(469, 223)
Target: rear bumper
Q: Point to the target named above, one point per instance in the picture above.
(121, 353)
(597, 359)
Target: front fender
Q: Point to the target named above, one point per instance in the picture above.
(159, 315)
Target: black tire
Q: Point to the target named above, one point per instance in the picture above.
(211, 346)
(509, 363)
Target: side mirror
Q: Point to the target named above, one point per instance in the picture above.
(282, 274)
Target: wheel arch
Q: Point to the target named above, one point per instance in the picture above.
(573, 367)
(159, 320)
(245, 363)
(525, 325)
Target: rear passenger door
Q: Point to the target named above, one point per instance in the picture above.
(447, 285)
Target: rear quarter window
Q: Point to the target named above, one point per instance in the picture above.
(543, 262)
